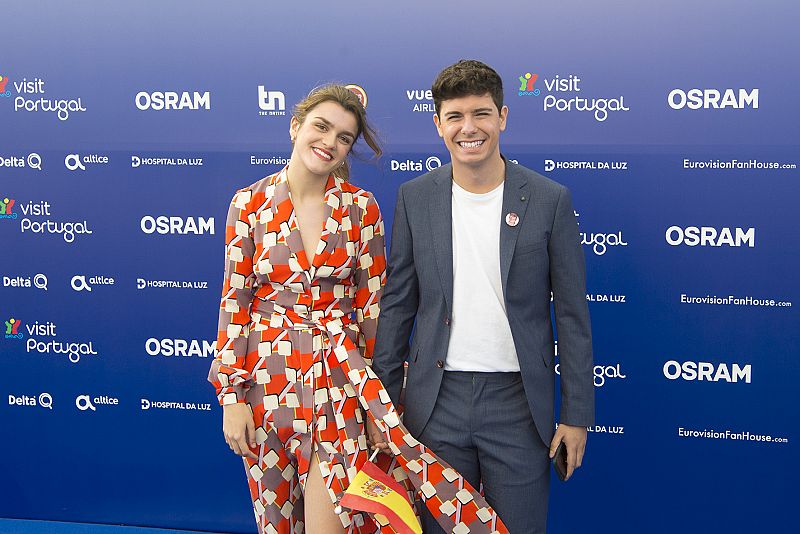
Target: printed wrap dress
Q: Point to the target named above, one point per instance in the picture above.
(294, 342)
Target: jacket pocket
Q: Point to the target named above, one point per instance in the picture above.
(527, 248)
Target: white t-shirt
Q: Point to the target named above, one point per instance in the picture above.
(480, 337)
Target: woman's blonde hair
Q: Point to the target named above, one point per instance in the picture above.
(350, 102)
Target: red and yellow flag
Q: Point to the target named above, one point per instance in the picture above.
(373, 490)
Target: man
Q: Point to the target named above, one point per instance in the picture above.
(477, 248)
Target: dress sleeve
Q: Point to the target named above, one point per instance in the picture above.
(228, 373)
(370, 276)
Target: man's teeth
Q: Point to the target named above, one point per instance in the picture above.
(321, 153)
(470, 144)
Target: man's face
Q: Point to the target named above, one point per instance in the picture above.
(471, 126)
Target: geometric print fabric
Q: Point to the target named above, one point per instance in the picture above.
(291, 336)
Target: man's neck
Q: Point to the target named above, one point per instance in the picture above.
(480, 179)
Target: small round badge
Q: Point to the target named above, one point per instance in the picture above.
(512, 219)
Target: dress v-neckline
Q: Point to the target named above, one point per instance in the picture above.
(331, 223)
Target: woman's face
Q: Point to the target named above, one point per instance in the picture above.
(324, 138)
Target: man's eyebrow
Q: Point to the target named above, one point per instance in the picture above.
(481, 110)
(329, 123)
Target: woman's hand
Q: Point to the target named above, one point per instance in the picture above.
(376, 437)
(239, 429)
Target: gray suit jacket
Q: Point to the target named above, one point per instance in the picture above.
(542, 253)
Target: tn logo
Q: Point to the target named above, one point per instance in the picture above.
(270, 100)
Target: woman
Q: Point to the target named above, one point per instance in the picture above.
(305, 265)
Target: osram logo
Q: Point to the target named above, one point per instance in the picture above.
(163, 224)
(713, 99)
(158, 100)
(709, 372)
(707, 236)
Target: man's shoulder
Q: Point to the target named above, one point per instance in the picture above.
(541, 183)
(425, 182)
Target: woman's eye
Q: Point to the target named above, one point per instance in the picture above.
(345, 140)
(320, 126)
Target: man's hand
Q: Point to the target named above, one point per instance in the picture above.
(375, 436)
(239, 429)
(574, 438)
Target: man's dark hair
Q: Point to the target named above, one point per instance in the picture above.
(465, 78)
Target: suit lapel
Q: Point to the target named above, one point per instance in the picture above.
(440, 211)
(516, 197)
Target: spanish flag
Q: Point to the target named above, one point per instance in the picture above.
(373, 490)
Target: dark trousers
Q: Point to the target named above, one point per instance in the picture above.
(482, 426)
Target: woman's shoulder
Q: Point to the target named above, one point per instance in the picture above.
(356, 195)
(260, 189)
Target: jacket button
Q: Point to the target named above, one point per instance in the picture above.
(447, 321)
(439, 364)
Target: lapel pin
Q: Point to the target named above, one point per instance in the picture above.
(522, 198)
(512, 219)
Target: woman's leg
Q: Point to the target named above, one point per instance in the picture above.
(320, 517)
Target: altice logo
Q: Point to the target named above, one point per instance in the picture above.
(12, 329)
(3, 82)
(5, 208)
(526, 85)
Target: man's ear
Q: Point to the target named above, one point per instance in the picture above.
(503, 118)
(438, 124)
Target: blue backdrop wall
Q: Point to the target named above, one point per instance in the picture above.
(675, 126)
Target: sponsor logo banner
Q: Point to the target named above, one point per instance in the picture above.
(16, 328)
(76, 162)
(164, 225)
(142, 283)
(68, 230)
(585, 165)
(149, 404)
(422, 99)
(42, 400)
(720, 164)
(37, 281)
(269, 160)
(32, 97)
(565, 95)
(600, 242)
(713, 99)
(732, 300)
(606, 297)
(742, 435)
(31, 161)
(89, 403)
(138, 160)
(708, 236)
(708, 372)
(271, 103)
(172, 100)
(180, 347)
(428, 164)
(81, 282)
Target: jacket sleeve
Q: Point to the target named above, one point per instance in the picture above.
(568, 282)
(370, 276)
(398, 306)
(228, 373)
